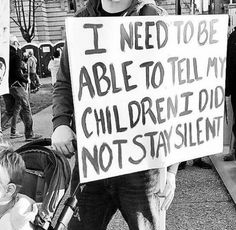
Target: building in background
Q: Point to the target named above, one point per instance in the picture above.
(50, 17)
(50, 14)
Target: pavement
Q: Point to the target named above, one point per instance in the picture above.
(204, 199)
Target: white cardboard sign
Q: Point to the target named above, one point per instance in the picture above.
(148, 91)
(4, 45)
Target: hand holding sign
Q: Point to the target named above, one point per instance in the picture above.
(169, 190)
(62, 140)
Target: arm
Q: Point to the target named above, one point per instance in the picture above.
(169, 189)
(63, 108)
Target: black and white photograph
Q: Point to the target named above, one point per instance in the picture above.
(117, 115)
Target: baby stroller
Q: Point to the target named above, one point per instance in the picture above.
(46, 181)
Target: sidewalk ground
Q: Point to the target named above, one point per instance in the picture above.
(204, 199)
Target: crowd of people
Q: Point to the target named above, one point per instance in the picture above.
(136, 195)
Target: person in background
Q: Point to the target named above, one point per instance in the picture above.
(17, 103)
(32, 72)
(230, 88)
(54, 64)
(17, 211)
(24, 63)
(2, 74)
(136, 195)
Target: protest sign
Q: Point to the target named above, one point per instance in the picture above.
(148, 91)
(4, 45)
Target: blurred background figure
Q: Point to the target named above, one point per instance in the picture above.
(53, 65)
(17, 102)
(229, 87)
(24, 63)
(2, 73)
(32, 72)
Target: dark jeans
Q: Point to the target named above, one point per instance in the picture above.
(9, 109)
(135, 195)
(34, 81)
(21, 107)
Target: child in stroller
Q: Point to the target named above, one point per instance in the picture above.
(46, 181)
(17, 211)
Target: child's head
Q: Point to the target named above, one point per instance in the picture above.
(12, 168)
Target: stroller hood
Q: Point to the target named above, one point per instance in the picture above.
(47, 178)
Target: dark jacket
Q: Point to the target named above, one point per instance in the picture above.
(62, 96)
(15, 72)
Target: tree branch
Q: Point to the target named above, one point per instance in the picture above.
(23, 13)
(15, 21)
(17, 13)
(27, 27)
(29, 19)
(34, 10)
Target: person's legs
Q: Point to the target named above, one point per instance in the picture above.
(196, 162)
(233, 152)
(26, 114)
(22, 106)
(139, 201)
(15, 92)
(33, 85)
(9, 105)
(233, 101)
(182, 165)
(201, 164)
(37, 80)
(95, 204)
(231, 156)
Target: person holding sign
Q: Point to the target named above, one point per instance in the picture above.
(136, 195)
